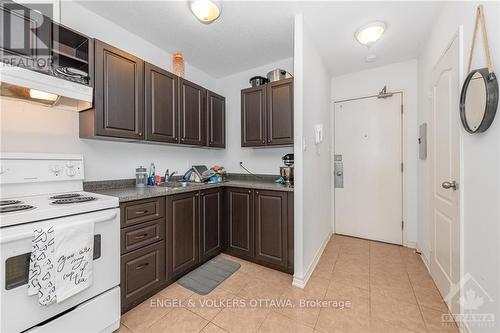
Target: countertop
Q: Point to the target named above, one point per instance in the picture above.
(125, 190)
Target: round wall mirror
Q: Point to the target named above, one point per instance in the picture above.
(479, 100)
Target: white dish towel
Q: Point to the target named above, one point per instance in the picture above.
(61, 263)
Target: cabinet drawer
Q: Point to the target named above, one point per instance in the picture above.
(140, 235)
(142, 271)
(140, 211)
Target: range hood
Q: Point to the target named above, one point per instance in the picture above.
(27, 85)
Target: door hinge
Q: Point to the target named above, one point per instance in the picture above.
(402, 225)
(402, 167)
(401, 108)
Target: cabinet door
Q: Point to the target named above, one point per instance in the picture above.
(162, 113)
(182, 233)
(142, 271)
(271, 236)
(280, 112)
(210, 223)
(253, 119)
(216, 119)
(240, 222)
(26, 37)
(192, 113)
(119, 93)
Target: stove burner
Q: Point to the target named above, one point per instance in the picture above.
(9, 202)
(15, 208)
(72, 200)
(66, 196)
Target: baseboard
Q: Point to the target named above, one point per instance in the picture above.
(301, 282)
(411, 245)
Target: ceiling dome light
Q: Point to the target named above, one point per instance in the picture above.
(370, 33)
(206, 11)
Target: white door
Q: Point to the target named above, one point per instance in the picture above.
(368, 138)
(445, 228)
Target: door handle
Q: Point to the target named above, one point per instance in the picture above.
(339, 173)
(448, 185)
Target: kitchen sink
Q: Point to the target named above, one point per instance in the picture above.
(176, 185)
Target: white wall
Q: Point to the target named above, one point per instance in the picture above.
(312, 106)
(480, 183)
(400, 76)
(32, 128)
(258, 160)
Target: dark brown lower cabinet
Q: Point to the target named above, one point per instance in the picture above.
(182, 233)
(271, 227)
(211, 217)
(240, 222)
(142, 272)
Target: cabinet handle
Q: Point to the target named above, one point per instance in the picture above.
(141, 212)
(249, 191)
(268, 141)
(139, 134)
(141, 236)
(263, 141)
(142, 266)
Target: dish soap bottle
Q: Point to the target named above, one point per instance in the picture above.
(152, 172)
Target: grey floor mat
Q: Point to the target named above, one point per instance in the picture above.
(208, 276)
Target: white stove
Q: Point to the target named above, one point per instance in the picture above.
(43, 190)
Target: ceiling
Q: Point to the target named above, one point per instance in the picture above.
(249, 34)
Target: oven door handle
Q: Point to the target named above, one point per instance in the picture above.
(24, 235)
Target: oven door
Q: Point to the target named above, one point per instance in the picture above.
(20, 311)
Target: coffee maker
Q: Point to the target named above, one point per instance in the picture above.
(286, 172)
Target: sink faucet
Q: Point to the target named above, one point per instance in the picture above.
(168, 175)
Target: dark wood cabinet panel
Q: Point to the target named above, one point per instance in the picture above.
(271, 230)
(142, 271)
(267, 114)
(25, 37)
(182, 233)
(118, 96)
(192, 99)
(210, 223)
(162, 113)
(280, 112)
(216, 120)
(138, 236)
(240, 222)
(253, 119)
(140, 211)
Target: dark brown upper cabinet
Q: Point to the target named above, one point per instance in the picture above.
(216, 120)
(267, 114)
(25, 37)
(162, 112)
(253, 117)
(118, 96)
(280, 112)
(192, 99)
(271, 227)
(210, 223)
(182, 233)
(240, 222)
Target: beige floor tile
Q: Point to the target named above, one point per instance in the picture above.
(396, 313)
(315, 288)
(208, 306)
(400, 290)
(236, 282)
(355, 319)
(175, 292)
(382, 327)
(356, 259)
(430, 298)
(140, 318)
(179, 320)
(304, 315)
(250, 268)
(123, 329)
(212, 328)
(323, 270)
(241, 320)
(351, 278)
(434, 321)
(273, 275)
(261, 289)
(278, 323)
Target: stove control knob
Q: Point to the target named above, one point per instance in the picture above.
(56, 169)
(3, 169)
(71, 172)
(70, 164)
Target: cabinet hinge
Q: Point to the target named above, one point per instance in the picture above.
(401, 108)
(402, 167)
(402, 225)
